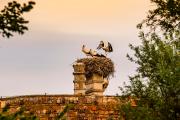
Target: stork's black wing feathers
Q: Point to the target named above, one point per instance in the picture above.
(110, 47)
(101, 44)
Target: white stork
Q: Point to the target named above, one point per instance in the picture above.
(86, 50)
(106, 46)
(91, 52)
(95, 54)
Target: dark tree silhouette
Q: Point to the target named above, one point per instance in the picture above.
(11, 19)
(165, 15)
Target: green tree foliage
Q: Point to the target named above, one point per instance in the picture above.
(11, 19)
(165, 15)
(155, 86)
(19, 115)
(61, 115)
(156, 83)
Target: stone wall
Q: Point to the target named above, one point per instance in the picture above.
(47, 107)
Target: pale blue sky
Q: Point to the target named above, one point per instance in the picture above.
(41, 60)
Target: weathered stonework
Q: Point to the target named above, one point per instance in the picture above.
(94, 85)
(79, 79)
(47, 107)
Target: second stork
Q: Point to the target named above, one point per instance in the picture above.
(106, 46)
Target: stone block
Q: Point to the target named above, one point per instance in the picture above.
(2, 104)
(79, 67)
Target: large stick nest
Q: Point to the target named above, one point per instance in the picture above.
(98, 65)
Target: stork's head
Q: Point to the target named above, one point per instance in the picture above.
(83, 46)
(101, 44)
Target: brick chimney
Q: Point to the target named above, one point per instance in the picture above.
(93, 85)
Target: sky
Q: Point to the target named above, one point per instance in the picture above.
(40, 61)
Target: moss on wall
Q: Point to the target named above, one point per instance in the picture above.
(48, 107)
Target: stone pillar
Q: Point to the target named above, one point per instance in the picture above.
(79, 79)
(94, 85)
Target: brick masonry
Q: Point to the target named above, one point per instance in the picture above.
(47, 107)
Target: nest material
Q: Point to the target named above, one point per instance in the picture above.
(98, 65)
